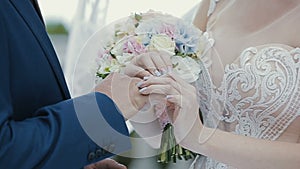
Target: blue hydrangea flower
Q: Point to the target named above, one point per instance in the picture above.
(186, 39)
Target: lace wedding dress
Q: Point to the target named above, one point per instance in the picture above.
(249, 84)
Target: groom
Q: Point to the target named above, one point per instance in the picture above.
(40, 126)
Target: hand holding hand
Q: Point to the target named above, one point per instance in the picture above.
(124, 91)
(152, 63)
(186, 119)
(106, 164)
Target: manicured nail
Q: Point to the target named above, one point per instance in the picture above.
(139, 84)
(169, 97)
(143, 90)
(146, 77)
(157, 73)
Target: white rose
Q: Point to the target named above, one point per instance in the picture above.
(103, 66)
(187, 68)
(125, 58)
(115, 66)
(118, 48)
(163, 43)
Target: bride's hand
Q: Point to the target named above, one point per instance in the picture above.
(186, 118)
(153, 63)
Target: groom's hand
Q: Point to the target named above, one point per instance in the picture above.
(124, 91)
(106, 164)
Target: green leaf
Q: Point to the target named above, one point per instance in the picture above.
(138, 17)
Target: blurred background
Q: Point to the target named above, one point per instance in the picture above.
(71, 23)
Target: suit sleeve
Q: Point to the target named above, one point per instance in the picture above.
(69, 134)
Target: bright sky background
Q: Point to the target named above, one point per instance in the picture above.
(65, 9)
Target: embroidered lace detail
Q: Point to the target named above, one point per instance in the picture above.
(262, 94)
(209, 43)
(259, 96)
(212, 7)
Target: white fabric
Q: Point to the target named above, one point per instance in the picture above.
(251, 85)
(212, 7)
(90, 17)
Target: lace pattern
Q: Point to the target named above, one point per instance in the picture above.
(259, 91)
(261, 94)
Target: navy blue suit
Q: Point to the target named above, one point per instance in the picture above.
(39, 127)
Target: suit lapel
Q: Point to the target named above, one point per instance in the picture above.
(37, 9)
(28, 13)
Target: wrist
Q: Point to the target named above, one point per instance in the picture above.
(128, 101)
(204, 141)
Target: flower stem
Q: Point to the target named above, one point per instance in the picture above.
(170, 150)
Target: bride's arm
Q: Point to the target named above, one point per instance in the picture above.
(244, 152)
(201, 16)
(237, 151)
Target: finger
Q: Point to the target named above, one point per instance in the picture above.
(166, 57)
(136, 71)
(158, 61)
(144, 61)
(109, 164)
(153, 80)
(91, 166)
(182, 85)
(163, 80)
(176, 78)
(159, 89)
(175, 99)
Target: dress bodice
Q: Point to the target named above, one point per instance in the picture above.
(248, 85)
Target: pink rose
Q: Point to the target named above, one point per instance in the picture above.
(133, 46)
(168, 30)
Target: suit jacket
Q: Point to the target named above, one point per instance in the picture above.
(40, 126)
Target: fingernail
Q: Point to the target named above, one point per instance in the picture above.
(157, 73)
(169, 97)
(139, 84)
(143, 90)
(146, 77)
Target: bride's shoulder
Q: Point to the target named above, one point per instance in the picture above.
(201, 17)
(212, 7)
(205, 10)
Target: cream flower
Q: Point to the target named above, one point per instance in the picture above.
(162, 43)
(125, 58)
(115, 66)
(118, 48)
(187, 68)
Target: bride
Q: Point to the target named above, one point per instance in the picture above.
(248, 91)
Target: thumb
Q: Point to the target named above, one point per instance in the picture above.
(136, 71)
(109, 164)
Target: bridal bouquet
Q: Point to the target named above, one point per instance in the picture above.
(154, 31)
